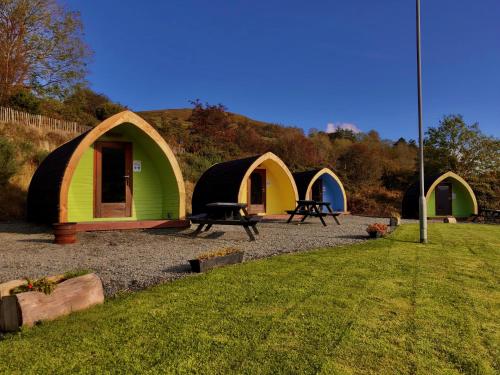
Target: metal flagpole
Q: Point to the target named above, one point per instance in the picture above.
(422, 201)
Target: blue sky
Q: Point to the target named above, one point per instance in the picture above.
(307, 64)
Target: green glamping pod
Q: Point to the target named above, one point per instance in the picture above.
(119, 175)
(447, 194)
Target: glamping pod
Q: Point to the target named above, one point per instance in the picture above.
(263, 182)
(321, 185)
(447, 194)
(120, 174)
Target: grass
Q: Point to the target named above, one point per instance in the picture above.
(385, 306)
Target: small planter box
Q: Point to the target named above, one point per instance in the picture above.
(203, 265)
(375, 234)
(395, 221)
(28, 308)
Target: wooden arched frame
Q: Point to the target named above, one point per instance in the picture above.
(98, 131)
(334, 176)
(259, 161)
(460, 180)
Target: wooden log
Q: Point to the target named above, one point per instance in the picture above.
(5, 288)
(75, 294)
(9, 314)
(71, 295)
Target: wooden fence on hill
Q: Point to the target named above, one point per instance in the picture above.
(9, 115)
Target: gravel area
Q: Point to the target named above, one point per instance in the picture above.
(130, 260)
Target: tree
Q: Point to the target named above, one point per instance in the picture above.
(108, 109)
(297, 151)
(41, 48)
(361, 165)
(400, 141)
(212, 121)
(462, 148)
(343, 134)
(24, 100)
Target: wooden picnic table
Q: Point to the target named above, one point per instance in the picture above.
(227, 210)
(226, 213)
(312, 208)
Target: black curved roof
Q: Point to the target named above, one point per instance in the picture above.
(412, 195)
(220, 183)
(45, 185)
(303, 179)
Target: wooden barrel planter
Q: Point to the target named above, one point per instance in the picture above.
(375, 234)
(29, 308)
(64, 233)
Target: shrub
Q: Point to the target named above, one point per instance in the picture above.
(12, 202)
(218, 253)
(47, 285)
(377, 228)
(25, 101)
(76, 273)
(39, 156)
(8, 163)
(395, 214)
(41, 285)
(107, 110)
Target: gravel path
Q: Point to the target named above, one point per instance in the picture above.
(130, 260)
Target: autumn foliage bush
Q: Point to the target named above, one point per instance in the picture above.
(218, 253)
(377, 228)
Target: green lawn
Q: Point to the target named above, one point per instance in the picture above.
(385, 306)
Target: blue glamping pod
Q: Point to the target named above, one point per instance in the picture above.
(321, 185)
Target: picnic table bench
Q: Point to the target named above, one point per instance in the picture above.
(226, 213)
(311, 208)
(488, 215)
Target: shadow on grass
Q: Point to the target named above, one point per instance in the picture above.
(398, 240)
(354, 236)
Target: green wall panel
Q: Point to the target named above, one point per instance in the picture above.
(155, 193)
(462, 204)
(431, 205)
(81, 194)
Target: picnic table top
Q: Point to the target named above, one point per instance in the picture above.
(320, 203)
(306, 201)
(226, 205)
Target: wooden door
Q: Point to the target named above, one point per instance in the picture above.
(112, 179)
(443, 194)
(257, 192)
(317, 190)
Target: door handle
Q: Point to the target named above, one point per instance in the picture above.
(126, 176)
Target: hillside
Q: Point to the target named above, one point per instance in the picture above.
(209, 134)
(375, 172)
(27, 148)
(183, 114)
